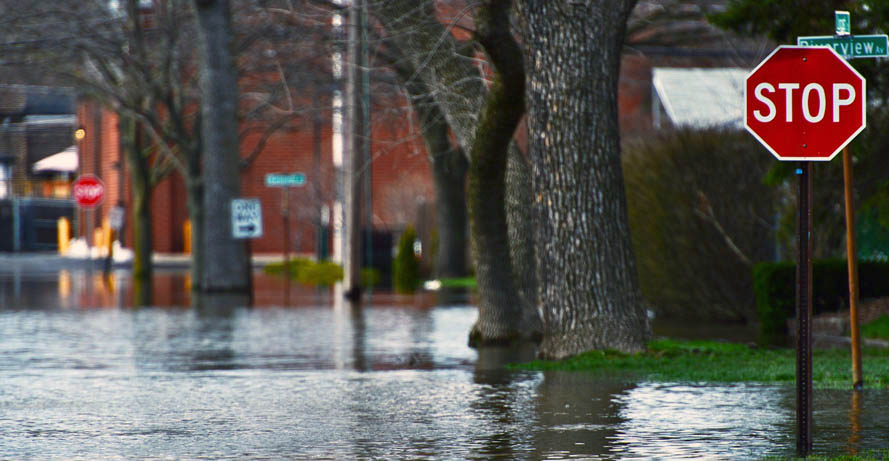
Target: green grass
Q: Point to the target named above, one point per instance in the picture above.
(711, 361)
(869, 455)
(458, 282)
(878, 328)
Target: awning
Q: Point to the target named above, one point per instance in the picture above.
(63, 162)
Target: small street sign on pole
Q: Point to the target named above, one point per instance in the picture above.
(842, 22)
(246, 218)
(285, 179)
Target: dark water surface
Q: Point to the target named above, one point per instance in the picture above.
(83, 376)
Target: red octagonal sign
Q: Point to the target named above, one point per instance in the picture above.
(804, 103)
(88, 191)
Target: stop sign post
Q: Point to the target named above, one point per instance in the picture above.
(804, 104)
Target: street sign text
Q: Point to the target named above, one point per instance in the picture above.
(851, 46)
(285, 179)
(246, 218)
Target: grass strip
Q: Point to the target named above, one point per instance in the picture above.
(671, 360)
(458, 282)
(878, 328)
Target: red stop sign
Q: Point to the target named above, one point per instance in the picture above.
(804, 103)
(88, 191)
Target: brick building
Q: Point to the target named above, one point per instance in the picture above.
(400, 179)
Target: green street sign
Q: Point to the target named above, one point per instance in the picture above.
(284, 179)
(851, 46)
(842, 22)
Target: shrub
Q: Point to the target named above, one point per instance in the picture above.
(309, 272)
(700, 217)
(775, 287)
(406, 268)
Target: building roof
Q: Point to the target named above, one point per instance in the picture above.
(701, 98)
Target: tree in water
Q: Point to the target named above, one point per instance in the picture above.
(226, 267)
(588, 290)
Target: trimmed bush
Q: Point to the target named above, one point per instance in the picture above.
(775, 288)
(406, 267)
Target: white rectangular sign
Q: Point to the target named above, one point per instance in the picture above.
(246, 218)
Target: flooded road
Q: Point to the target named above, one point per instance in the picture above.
(85, 376)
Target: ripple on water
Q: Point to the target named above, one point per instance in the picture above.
(383, 382)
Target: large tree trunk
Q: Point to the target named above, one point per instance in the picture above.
(226, 264)
(459, 91)
(588, 290)
(501, 317)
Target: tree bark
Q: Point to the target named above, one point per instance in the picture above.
(226, 266)
(459, 90)
(487, 182)
(588, 292)
(140, 187)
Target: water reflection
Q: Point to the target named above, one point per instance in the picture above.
(302, 375)
(578, 415)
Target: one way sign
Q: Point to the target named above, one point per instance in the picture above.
(246, 218)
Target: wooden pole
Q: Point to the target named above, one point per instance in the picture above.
(852, 261)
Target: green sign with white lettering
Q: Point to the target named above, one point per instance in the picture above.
(284, 179)
(842, 22)
(851, 46)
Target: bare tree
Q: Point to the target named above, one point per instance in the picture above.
(451, 74)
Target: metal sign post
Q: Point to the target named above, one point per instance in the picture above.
(285, 181)
(804, 312)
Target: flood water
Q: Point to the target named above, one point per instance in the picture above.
(83, 375)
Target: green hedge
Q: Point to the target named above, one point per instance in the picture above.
(774, 285)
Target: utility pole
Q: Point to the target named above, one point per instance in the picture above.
(356, 141)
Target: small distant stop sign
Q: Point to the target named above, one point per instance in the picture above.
(88, 191)
(804, 103)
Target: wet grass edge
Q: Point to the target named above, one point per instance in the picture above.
(671, 360)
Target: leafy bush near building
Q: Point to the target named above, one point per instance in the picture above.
(406, 268)
(700, 217)
(309, 272)
(775, 286)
